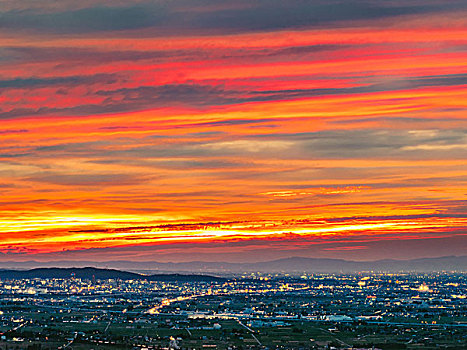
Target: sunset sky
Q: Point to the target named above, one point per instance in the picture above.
(215, 130)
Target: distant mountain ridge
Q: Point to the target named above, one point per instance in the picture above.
(452, 263)
(287, 265)
(96, 273)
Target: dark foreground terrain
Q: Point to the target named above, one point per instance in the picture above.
(254, 311)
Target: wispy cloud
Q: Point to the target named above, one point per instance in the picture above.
(328, 128)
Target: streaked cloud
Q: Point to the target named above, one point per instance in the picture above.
(207, 17)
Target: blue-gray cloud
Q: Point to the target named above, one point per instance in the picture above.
(85, 20)
(188, 16)
(85, 179)
(34, 82)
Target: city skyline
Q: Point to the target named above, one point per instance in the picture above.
(220, 131)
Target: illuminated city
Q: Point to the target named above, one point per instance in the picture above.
(253, 311)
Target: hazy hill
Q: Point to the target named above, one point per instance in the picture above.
(288, 265)
(91, 272)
